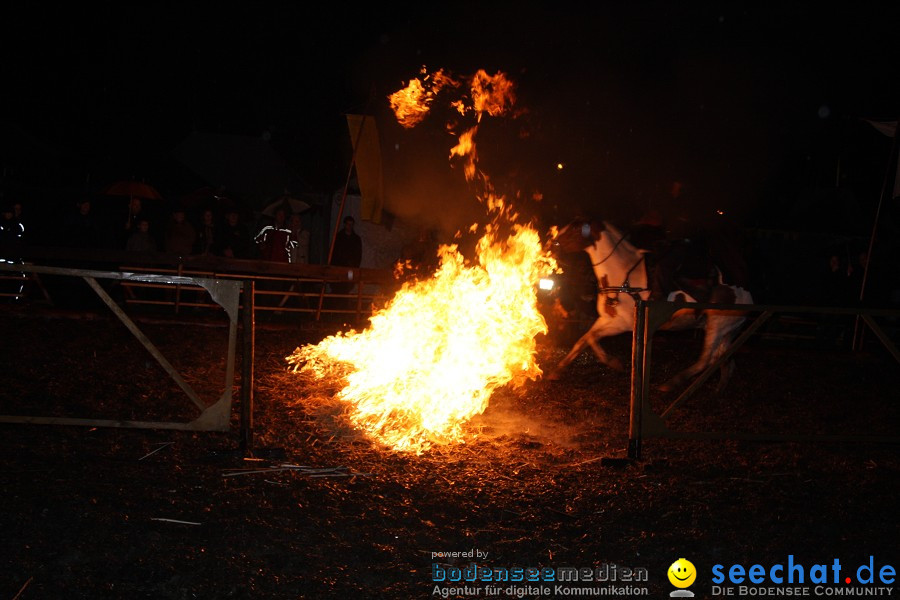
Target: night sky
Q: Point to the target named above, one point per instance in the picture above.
(752, 109)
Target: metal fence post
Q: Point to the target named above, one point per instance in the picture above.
(637, 380)
(247, 359)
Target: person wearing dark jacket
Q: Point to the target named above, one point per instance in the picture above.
(347, 252)
(347, 246)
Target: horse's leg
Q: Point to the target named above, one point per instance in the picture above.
(604, 329)
(572, 355)
(715, 341)
(730, 326)
(725, 374)
(611, 361)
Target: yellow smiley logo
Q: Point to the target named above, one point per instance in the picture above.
(682, 573)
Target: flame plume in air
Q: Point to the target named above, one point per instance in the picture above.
(432, 357)
(491, 94)
(412, 103)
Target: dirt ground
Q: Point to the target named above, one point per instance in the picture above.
(98, 512)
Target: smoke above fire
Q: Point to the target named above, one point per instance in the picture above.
(433, 356)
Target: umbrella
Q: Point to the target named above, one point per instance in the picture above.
(290, 204)
(132, 189)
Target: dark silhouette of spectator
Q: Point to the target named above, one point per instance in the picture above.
(836, 290)
(141, 241)
(135, 214)
(347, 252)
(81, 228)
(234, 239)
(180, 234)
(12, 231)
(11, 240)
(206, 234)
(18, 215)
(836, 283)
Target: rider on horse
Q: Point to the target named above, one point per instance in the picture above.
(688, 264)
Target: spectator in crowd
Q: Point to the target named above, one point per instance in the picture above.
(180, 234)
(11, 230)
(81, 228)
(347, 252)
(206, 234)
(274, 239)
(235, 239)
(11, 238)
(836, 282)
(836, 290)
(299, 240)
(141, 241)
(135, 215)
(18, 214)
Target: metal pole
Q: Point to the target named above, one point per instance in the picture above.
(885, 187)
(337, 223)
(247, 359)
(362, 123)
(637, 381)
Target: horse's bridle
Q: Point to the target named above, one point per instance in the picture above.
(611, 252)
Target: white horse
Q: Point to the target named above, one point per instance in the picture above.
(622, 275)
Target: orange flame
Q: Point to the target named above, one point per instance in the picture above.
(432, 357)
(466, 149)
(492, 94)
(412, 103)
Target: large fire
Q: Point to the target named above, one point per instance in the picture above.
(432, 357)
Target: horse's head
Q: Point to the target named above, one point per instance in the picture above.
(576, 236)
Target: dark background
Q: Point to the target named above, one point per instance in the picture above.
(755, 111)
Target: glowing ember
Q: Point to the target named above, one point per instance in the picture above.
(431, 358)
